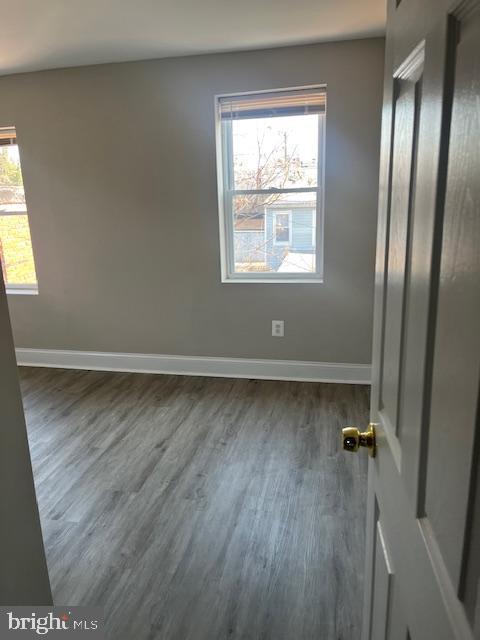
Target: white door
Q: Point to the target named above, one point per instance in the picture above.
(23, 569)
(423, 530)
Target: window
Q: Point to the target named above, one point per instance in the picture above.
(270, 157)
(281, 227)
(16, 254)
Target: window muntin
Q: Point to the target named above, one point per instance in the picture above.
(271, 159)
(16, 255)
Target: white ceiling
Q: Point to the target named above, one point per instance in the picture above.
(44, 34)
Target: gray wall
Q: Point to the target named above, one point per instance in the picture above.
(127, 255)
(23, 569)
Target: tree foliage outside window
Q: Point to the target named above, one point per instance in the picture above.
(10, 171)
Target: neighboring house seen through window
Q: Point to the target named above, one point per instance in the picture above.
(270, 147)
(16, 255)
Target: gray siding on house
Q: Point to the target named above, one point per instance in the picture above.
(302, 230)
(249, 246)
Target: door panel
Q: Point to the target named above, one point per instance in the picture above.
(397, 628)
(469, 588)
(457, 334)
(423, 559)
(406, 103)
(383, 587)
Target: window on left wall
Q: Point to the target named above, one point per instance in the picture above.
(16, 254)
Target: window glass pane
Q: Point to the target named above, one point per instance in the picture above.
(16, 254)
(274, 233)
(275, 152)
(16, 250)
(281, 227)
(11, 182)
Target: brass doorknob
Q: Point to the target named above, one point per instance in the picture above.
(353, 438)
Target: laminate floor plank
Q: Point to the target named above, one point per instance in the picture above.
(197, 508)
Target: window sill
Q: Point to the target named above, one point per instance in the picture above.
(272, 280)
(22, 291)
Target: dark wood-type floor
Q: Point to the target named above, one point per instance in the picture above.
(199, 508)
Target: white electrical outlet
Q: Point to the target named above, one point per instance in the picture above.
(278, 328)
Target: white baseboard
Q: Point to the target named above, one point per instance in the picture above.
(197, 366)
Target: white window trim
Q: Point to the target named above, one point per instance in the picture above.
(21, 289)
(228, 274)
(281, 243)
(31, 288)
